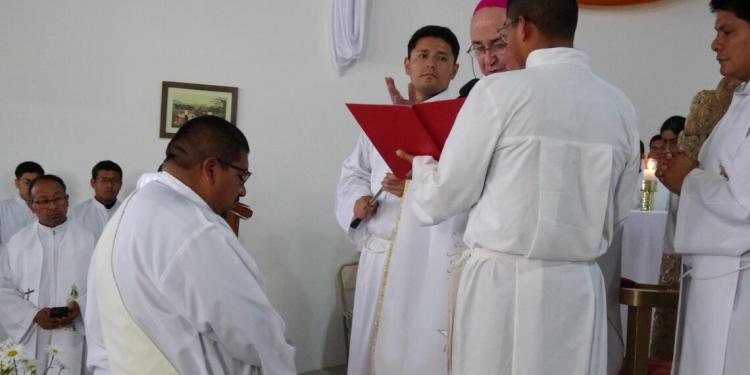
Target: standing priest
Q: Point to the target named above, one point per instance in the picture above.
(15, 213)
(172, 289)
(106, 180)
(44, 267)
(713, 219)
(546, 159)
(431, 64)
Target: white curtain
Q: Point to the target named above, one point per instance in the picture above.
(347, 31)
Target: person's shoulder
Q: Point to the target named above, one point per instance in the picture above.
(159, 204)
(5, 203)
(22, 237)
(76, 209)
(80, 231)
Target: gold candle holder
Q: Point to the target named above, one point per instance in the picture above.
(648, 188)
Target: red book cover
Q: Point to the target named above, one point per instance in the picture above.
(420, 129)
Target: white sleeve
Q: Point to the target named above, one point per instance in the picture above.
(443, 189)
(354, 183)
(16, 313)
(216, 286)
(714, 213)
(628, 182)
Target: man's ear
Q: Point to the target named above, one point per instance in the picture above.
(407, 67)
(208, 169)
(455, 71)
(525, 28)
(92, 183)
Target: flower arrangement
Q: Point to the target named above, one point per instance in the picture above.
(13, 362)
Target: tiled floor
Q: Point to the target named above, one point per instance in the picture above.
(338, 370)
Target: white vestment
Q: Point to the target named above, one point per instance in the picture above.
(45, 264)
(93, 215)
(361, 174)
(713, 233)
(413, 325)
(15, 214)
(547, 160)
(191, 287)
(146, 178)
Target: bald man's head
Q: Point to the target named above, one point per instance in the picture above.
(485, 37)
(209, 155)
(203, 137)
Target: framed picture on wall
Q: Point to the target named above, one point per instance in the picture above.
(181, 102)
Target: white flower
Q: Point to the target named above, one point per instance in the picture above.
(12, 353)
(54, 349)
(31, 367)
(73, 294)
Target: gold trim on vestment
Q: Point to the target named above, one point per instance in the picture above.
(384, 282)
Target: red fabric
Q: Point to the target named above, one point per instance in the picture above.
(491, 3)
(657, 367)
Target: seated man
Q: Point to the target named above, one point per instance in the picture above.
(15, 212)
(106, 179)
(43, 283)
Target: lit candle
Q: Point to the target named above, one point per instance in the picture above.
(649, 174)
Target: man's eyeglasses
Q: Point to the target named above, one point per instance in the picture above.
(46, 202)
(496, 47)
(244, 173)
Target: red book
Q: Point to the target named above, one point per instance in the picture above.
(420, 129)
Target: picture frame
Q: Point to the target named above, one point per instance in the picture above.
(181, 101)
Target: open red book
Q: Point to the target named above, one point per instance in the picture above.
(419, 129)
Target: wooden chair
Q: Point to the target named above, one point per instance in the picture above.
(347, 283)
(641, 299)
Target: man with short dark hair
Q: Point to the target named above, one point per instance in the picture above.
(430, 64)
(172, 288)
(106, 180)
(713, 220)
(656, 147)
(15, 212)
(546, 159)
(43, 279)
(486, 46)
(670, 132)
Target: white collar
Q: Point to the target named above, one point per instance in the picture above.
(743, 89)
(443, 95)
(560, 55)
(54, 230)
(102, 206)
(177, 185)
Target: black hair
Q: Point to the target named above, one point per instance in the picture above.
(47, 177)
(204, 137)
(643, 149)
(740, 8)
(105, 165)
(675, 123)
(433, 31)
(654, 138)
(554, 18)
(28, 167)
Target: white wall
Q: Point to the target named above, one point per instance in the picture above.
(80, 82)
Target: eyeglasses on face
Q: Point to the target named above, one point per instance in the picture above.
(244, 173)
(46, 202)
(109, 180)
(497, 46)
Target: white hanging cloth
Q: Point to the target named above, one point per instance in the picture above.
(347, 31)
